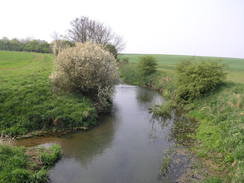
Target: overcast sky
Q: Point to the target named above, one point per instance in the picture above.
(186, 27)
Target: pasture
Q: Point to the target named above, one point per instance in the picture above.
(167, 63)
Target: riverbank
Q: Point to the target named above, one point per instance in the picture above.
(216, 133)
(112, 152)
(29, 108)
(19, 164)
(27, 102)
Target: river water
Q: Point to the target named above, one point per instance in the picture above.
(127, 147)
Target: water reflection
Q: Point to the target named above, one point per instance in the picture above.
(146, 98)
(126, 147)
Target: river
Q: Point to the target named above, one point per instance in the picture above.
(127, 147)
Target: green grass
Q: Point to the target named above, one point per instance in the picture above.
(220, 134)
(235, 66)
(17, 165)
(27, 101)
(217, 131)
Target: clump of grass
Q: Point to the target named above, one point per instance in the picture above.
(48, 158)
(165, 166)
(164, 111)
(17, 166)
(184, 130)
(166, 161)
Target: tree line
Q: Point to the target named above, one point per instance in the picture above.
(31, 45)
(82, 30)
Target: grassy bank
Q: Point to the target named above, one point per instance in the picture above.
(220, 134)
(21, 165)
(217, 131)
(27, 102)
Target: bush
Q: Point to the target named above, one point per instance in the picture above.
(59, 45)
(129, 74)
(112, 49)
(197, 79)
(147, 70)
(86, 69)
(147, 65)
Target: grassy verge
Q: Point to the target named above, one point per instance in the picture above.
(21, 165)
(220, 134)
(216, 134)
(27, 102)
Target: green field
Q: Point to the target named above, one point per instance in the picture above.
(234, 66)
(27, 102)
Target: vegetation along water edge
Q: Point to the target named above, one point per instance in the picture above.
(45, 94)
(214, 135)
(27, 165)
(211, 99)
(33, 102)
(27, 102)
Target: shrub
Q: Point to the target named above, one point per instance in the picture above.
(147, 65)
(59, 45)
(87, 69)
(147, 70)
(129, 74)
(112, 49)
(195, 79)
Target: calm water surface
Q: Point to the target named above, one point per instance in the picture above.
(126, 148)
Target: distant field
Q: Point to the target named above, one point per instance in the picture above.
(235, 66)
